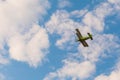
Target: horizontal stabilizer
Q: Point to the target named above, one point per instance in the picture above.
(90, 35)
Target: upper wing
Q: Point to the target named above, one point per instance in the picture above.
(78, 33)
(84, 43)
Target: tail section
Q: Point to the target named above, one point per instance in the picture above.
(90, 35)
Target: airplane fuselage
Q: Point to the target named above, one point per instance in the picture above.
(84, 38)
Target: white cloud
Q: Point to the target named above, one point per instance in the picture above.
(114, 1)
(88, 20)
(114, 75)
(27, 42)
(62, 24)
(79, 13)
(64, 3)
(30, 47)
(73, 70)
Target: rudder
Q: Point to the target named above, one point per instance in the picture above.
(90, 36)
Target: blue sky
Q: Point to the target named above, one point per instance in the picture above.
(37, 40)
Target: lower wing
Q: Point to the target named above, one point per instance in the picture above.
(84, 43)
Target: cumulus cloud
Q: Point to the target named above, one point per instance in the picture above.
(31, 47)
(74, 70)
(63, 3)
(26, 40)
(62, 23)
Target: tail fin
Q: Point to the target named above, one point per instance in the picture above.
(90, 35)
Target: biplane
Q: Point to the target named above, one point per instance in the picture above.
(83, 39)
